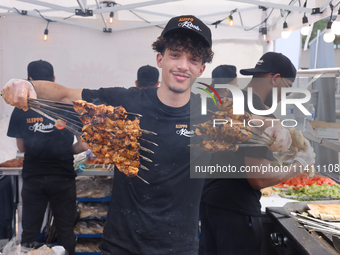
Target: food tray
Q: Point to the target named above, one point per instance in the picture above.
(10, 168)
(309, 198)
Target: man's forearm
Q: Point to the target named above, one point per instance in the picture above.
(267, 179)
(55, 92)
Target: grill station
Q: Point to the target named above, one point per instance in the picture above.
(288, 236)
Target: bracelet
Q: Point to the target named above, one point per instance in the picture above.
(31, 83)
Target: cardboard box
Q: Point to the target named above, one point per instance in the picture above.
(321, 129)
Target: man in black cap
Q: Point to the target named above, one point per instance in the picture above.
(230, 210)
(40, 70)
(159, 217)
(224, 74)
(48, 173)
(280, 73)
(147, 76)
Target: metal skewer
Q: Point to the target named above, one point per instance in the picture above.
(54, 108)
(259, 136)
(147, 141)
(60, 123)
(260, 140)
(266, 134)
(145, 149)
(251, 145)
(50, 102)
(142, 179)
(134, 114)
(145, 158)
(144, 167)
(72, 121)
(148, 132)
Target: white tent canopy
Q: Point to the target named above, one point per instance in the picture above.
(248, 15)
(84, 56)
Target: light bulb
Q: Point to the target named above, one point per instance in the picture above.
(305, 28)
(111, 17)
(231, 20)
(329, 36)
(285, 32)
(45, 34)
(336, 25)
(264, 34)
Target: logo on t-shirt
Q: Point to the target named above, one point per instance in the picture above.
(184, 131)
(40, 127)
(34, 120)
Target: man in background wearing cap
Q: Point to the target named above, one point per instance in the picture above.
(224, 74)
(48, 173)
(230, 210)
(147, 76)
(159, 217)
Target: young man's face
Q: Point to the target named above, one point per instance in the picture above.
(179, 70)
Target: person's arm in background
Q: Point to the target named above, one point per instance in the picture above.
(271, 179)
(79, 146)
(16, 92)
(20, 144)
(262, 179)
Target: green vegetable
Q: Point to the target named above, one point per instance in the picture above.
(314, 192)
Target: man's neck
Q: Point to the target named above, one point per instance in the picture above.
(171, 98)
(258, 89)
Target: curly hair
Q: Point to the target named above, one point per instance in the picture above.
(184, 41)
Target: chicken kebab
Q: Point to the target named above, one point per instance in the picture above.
(230, 134)
(110, 135)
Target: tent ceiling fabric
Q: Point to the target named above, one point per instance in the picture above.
(132, 14)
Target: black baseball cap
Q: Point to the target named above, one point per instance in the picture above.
(189, 23)
(40, 70)
(147, 74)
(273, 62)
(224, 74)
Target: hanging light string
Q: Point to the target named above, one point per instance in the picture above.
(138, 16)
(219, 21)
(329, 35)
(304, 6)
(48, 22)
(264, 21)
(332, 8)
(21, 13)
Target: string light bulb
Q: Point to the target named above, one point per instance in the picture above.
(329, 36)
(111, 17)
(305, 26)
(285, 32)
(264, 34)
(336, 24)
(231, 20)
(45, 34)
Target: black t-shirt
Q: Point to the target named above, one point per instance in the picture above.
(48, 150)
(236, 194)
(160, 218)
